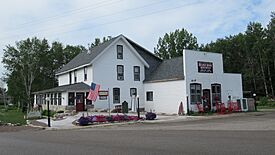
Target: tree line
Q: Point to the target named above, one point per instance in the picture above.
(31, 63)
(251, 53)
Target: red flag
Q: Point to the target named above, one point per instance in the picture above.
(93, 93)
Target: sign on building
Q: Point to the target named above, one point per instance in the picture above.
(205, 67)
(103, 94)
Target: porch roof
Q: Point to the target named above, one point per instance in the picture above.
(65, 88)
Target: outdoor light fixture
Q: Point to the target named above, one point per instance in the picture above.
(255, 104)
(138, 112)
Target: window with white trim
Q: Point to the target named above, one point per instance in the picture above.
(59, 99)
(149, 96)
(119, 52)
(70, 77)
(195, 93)
(136, 73)
(75, 76)
(120, 72)
(133, 92)
(48, 96)
(216, 93)
(55, 99)
(51, 99)
(85, 73)
(116, 95)
(71, 99)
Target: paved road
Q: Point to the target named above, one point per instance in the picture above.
(249, 134)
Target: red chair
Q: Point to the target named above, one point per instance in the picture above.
(200, 108)
(236, 107)
(230, 106)
(222, 108)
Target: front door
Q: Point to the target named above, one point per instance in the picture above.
(206, 100)
(79, 102)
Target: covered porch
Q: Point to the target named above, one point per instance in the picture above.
(66, 97)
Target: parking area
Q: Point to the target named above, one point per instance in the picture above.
(251, 121)
(242, 133)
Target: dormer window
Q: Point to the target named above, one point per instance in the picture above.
(119, 52)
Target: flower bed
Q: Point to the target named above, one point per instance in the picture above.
(89, 120)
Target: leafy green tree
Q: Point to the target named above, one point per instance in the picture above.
(23, 59)
(270, 45)
(32, 64)
(252, 54)
(97, 41)
(256, 47)
(172, 44)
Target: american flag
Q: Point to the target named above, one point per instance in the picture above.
(93, 93)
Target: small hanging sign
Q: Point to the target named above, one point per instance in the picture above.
(205, 67)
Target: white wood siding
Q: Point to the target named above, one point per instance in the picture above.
(105, 74)
(63, 79)
(167, 96)
(227, 81)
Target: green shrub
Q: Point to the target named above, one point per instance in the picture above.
(12, 108)
(263, 101)
(271, 103)
(45, 113)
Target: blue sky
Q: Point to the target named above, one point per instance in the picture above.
(144, 21)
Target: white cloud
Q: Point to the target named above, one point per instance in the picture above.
(55, 20)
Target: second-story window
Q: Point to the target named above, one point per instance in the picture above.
(136, 73)
(120, 72)
(85, 73)
(70, 77)
(119, 52)
(75, 76)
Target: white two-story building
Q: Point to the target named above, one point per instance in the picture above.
(125, 69)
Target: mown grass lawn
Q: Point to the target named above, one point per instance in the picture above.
(11, 116)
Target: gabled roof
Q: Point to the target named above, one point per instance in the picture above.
(71, 87)
(149, 57)
(171, 69)
(85, 58)
(158, 70)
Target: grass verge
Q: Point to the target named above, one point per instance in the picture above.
(11, 115)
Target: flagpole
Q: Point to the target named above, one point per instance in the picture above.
(109, 102)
